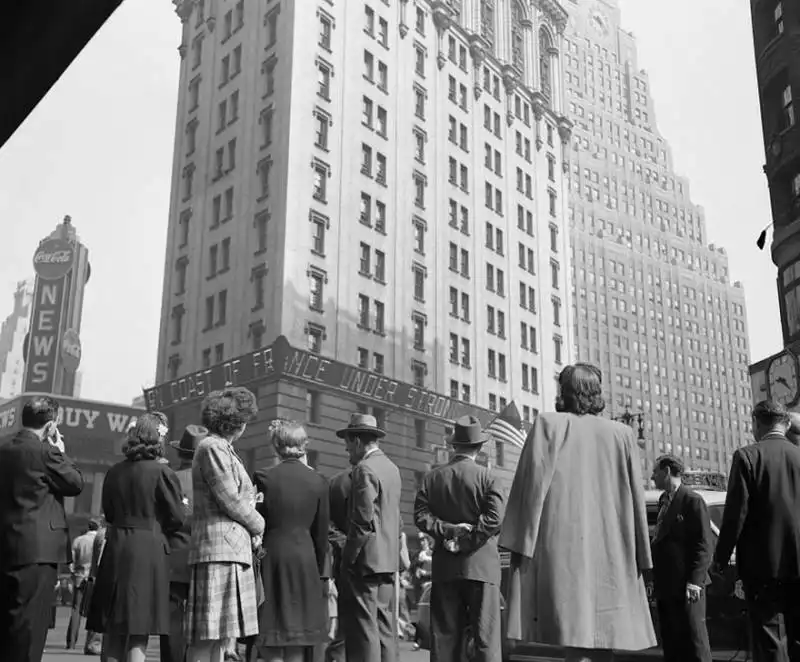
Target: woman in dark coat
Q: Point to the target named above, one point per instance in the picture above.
(142, 502)
(293, 618)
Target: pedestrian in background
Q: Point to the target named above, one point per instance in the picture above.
(293, 618)
(94, 640)
(82, 548)
(761, 521)
(226, 528)
(173, 646)
(576, 525)
(142, 505)
(35, 477)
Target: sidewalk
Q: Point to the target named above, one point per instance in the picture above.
(57, 641)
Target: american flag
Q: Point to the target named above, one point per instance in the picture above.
(507, 427)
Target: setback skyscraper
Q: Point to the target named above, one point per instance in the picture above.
(654, 306)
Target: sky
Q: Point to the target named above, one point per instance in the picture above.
(99, 148)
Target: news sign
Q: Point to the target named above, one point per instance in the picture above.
(283, 360)
(43, 347)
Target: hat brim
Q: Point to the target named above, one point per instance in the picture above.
(346, 432)
(177, 446)
(469, 444)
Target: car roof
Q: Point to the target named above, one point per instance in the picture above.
(711, 497)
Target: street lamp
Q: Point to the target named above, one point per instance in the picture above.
(629, 418)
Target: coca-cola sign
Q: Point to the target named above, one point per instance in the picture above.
(53, 259)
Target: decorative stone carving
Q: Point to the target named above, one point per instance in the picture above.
(487, 20)
(403, 27)
(183, 8)
(211, 23)
(478, 46)
(442, 20)
(182, 50)
(554, 13)
(564, 130)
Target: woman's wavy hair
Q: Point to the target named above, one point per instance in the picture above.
(581, 390)
(145, 439)
(289, 438)
(226, 412)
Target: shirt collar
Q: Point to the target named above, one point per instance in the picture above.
(369, 452)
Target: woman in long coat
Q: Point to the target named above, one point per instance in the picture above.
(142, 506)
(293, 618)
(225, 529)
(576, 525)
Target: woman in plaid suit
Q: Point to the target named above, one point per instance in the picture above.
(225, 529)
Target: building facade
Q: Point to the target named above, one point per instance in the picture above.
(776, 38)
(654, 305)
(12, 341)
(382, 183)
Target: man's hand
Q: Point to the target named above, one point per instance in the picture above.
(332, 627)
(57, 440)
(693, 593)
(257, 540)
(462, 528)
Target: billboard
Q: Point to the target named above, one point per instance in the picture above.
(43, 341)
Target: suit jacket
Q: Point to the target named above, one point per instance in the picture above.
(373, 532)
(462, 491)
(683, 546)
(761, 512)
(179, 542)
(224, 516)
(34, 479)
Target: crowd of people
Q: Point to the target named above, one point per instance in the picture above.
(302, 568)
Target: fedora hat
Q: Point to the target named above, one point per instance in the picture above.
(361, 423)
(192, 435)
(468, 432)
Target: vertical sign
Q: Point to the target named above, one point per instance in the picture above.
(43, 337)
(52, 261)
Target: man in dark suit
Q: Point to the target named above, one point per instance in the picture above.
(762, 521)
(682, 547)
(461, 506)
(174, 646)
(35, 476)
(370, 557)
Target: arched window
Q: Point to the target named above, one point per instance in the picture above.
(517, 40)
(545, 73)
(487, 20)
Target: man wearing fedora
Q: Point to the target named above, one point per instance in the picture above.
(370, 557)
(174, 647)
(461, 506)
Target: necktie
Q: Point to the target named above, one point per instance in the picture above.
(665, 500)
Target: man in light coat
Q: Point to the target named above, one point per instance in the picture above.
(576, 525)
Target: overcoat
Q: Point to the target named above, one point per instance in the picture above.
(576, 516)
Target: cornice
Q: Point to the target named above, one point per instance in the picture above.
(554, 11)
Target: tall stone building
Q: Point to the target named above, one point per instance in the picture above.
(12, 340)
(776, 37)
(381, 183)
(654, 304)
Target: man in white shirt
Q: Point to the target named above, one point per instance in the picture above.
(81, 564)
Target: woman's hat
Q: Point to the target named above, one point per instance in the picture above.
(192, 435)
(361, 423)
(468, 432)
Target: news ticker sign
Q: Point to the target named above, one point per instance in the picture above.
(283, 360)
(42, 345)
(77, 418)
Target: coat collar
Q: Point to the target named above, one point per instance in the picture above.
(675, 507)
(26, 435)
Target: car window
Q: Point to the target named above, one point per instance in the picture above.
(715, 512)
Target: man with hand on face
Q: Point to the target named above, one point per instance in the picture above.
(371, 553)
(35, 477)
(682, 549)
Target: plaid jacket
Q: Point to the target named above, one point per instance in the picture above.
(224, 516)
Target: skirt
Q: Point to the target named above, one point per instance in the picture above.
(222, 603)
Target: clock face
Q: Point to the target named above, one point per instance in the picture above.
(782, 377)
